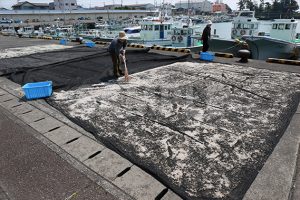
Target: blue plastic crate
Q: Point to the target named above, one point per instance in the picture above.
(63, 41)
(89, 44)
(37, 90)
(207, 56)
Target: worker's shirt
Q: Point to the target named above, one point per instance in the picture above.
(206, 33)
(116, 45)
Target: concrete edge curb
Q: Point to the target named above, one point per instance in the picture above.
(275, 179)
(98, 179)
(41, 104)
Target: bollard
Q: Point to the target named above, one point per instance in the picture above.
(244, 54)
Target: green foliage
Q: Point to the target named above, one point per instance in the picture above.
(267, 10)
(246, 4)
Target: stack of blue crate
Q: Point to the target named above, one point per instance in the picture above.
(207, 56)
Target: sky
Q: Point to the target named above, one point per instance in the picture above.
(92, 3)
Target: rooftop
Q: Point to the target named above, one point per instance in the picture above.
(22, 12)
(35, 4)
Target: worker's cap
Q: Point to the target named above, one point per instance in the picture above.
(209, 22)
(122, 35)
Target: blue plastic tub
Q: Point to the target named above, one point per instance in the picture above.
(89, 44)
(63, 41)
(37, 90)
(207, 56)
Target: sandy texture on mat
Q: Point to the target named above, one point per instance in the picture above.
(205, 130)
(23, 51)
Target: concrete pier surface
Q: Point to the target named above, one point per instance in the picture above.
(30, 170)
(191, 130)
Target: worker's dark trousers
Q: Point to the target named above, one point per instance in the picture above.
(116, 63)
(205, 46)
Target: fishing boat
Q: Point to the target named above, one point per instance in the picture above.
(282, 42)
(133, 32)
(187, 36)
(244, 23)
(90, 34)
(152, 31)
(162, 31)
(9, 31)
(156, 32)
(62, 32)
(26, 31)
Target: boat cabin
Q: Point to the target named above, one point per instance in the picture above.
(284, 29)
(244, 24)
(133, 32)
(152, 30)
(186, 36)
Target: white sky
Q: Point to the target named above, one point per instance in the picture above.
(87, 3)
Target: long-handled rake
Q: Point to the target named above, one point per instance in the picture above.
(127, 78)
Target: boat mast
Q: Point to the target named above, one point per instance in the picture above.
(189, 15)
(162, 12)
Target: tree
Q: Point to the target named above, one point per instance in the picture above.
(262, 5)
(250, 5)
(276, 10)
(241, 4)
(289, 7)
(268, 8)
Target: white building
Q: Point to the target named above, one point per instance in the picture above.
(65, 4)
(201, 5)
(206, 6)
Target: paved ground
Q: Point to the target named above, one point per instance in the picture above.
(79, 148)
(3, 195)
(30, 169)
(295, 193)
(10, 42)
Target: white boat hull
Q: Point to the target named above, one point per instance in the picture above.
(158, 42)
(224, 46)
(263, 48)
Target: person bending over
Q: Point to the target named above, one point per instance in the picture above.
(117, 49)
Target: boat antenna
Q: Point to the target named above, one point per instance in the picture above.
(189, 14)
(162, 11)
